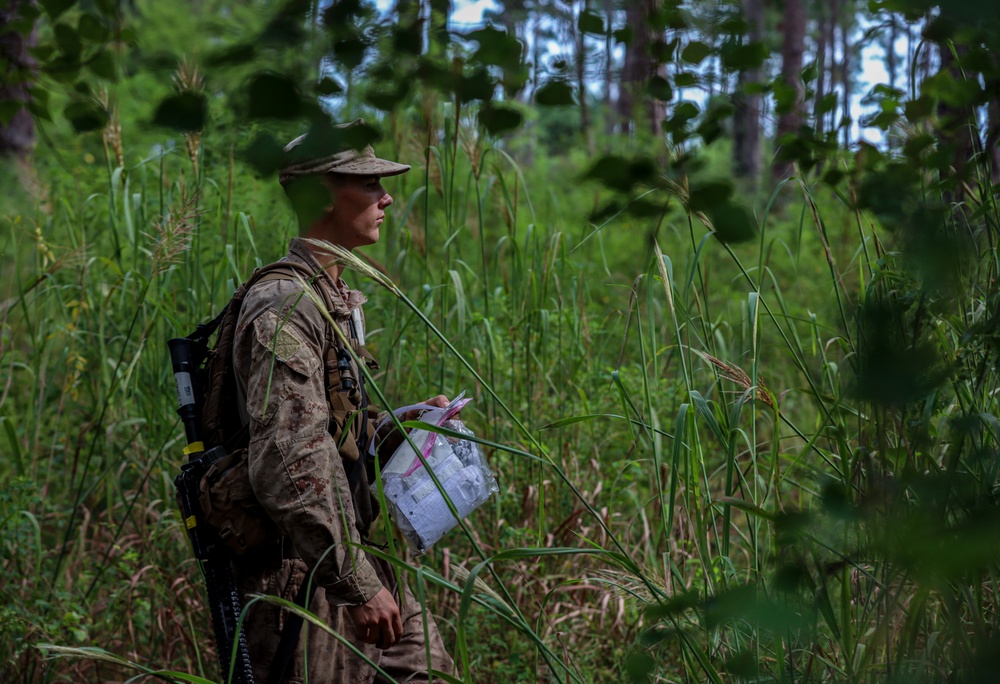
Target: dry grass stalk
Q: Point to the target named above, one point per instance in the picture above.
(112, 133)
(737, 375)
(468, 135)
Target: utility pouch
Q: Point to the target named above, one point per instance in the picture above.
(350, 424)
(230, 506)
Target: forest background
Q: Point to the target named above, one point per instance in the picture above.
(735, 367)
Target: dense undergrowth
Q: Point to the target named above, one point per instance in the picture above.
(767, 459)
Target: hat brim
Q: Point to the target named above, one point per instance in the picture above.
(361, 166)
(370, 167)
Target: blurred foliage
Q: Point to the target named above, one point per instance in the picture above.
(783, 441)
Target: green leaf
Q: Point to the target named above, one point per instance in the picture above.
(350, 51)
(408, 39)
(15, 444)
(695, 52)
(387, 100)
(273, 96)
(328, 87)
(63, 69)
(103, 66)
(38, 104)
(827, 103)
(591, 22)
(496, 47)
(554, 94)
(622, 174)
(476, 86)
(956, 92)
(86, 116)
(265, 154)
(704, 195)
(498, 119)
(67, 40)
(685, 79)
(640, 667)
(185, 112)
(732, 222)
(8, 109)
(623, 36)
(660, 88)
(743, 665)
(28, 12)
(744, 57)
(663, 52)
(55, 8)
(233, 55)
(918, 109)
(92, 28)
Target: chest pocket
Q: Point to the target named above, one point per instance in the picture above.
(349, 422)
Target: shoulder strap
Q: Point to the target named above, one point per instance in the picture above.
(221, 421)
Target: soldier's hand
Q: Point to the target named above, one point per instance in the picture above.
(440, 401)
(378, 621)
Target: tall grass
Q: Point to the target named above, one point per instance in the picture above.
(772, 460)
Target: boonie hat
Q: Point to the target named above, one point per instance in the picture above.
(344, 159)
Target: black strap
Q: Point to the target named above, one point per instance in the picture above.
(359, 465)
(290, 633)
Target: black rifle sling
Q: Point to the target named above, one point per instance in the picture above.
(291, 632)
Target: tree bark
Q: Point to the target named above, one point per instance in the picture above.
(609, 13)
(831, 42)
(821, 27)
(17, 138)
(845, 80)
(993, 132)
(639, 67)
(956, 130)
(746, 118)
(890, 51)
(581, 81)
(793, 46)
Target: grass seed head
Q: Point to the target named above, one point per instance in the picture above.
(173, 233)
(112, 133)
(188, 80)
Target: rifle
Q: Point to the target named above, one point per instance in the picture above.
(186, 358)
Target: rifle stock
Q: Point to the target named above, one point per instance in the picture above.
(212, 555)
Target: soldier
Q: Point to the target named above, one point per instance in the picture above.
(304, 472)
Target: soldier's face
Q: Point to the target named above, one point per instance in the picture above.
(358, 210)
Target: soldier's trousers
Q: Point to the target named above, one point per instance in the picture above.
(328, 660)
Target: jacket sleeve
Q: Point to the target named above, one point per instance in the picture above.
(296, 471)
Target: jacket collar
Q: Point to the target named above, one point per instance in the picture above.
(345, 300)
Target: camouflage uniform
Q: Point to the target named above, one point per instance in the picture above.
(298, 475)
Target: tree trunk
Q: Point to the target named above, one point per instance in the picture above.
(993, 133)
(956, 132)
(536, 49)
(746, 118)
(581, 81)
(793, 45)
(845, 80)
(831, 43)
(609, 13)
(639, 67)
(17, 138)
(821, 28)
(890, 50)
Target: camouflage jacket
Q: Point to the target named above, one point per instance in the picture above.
(296, 469)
